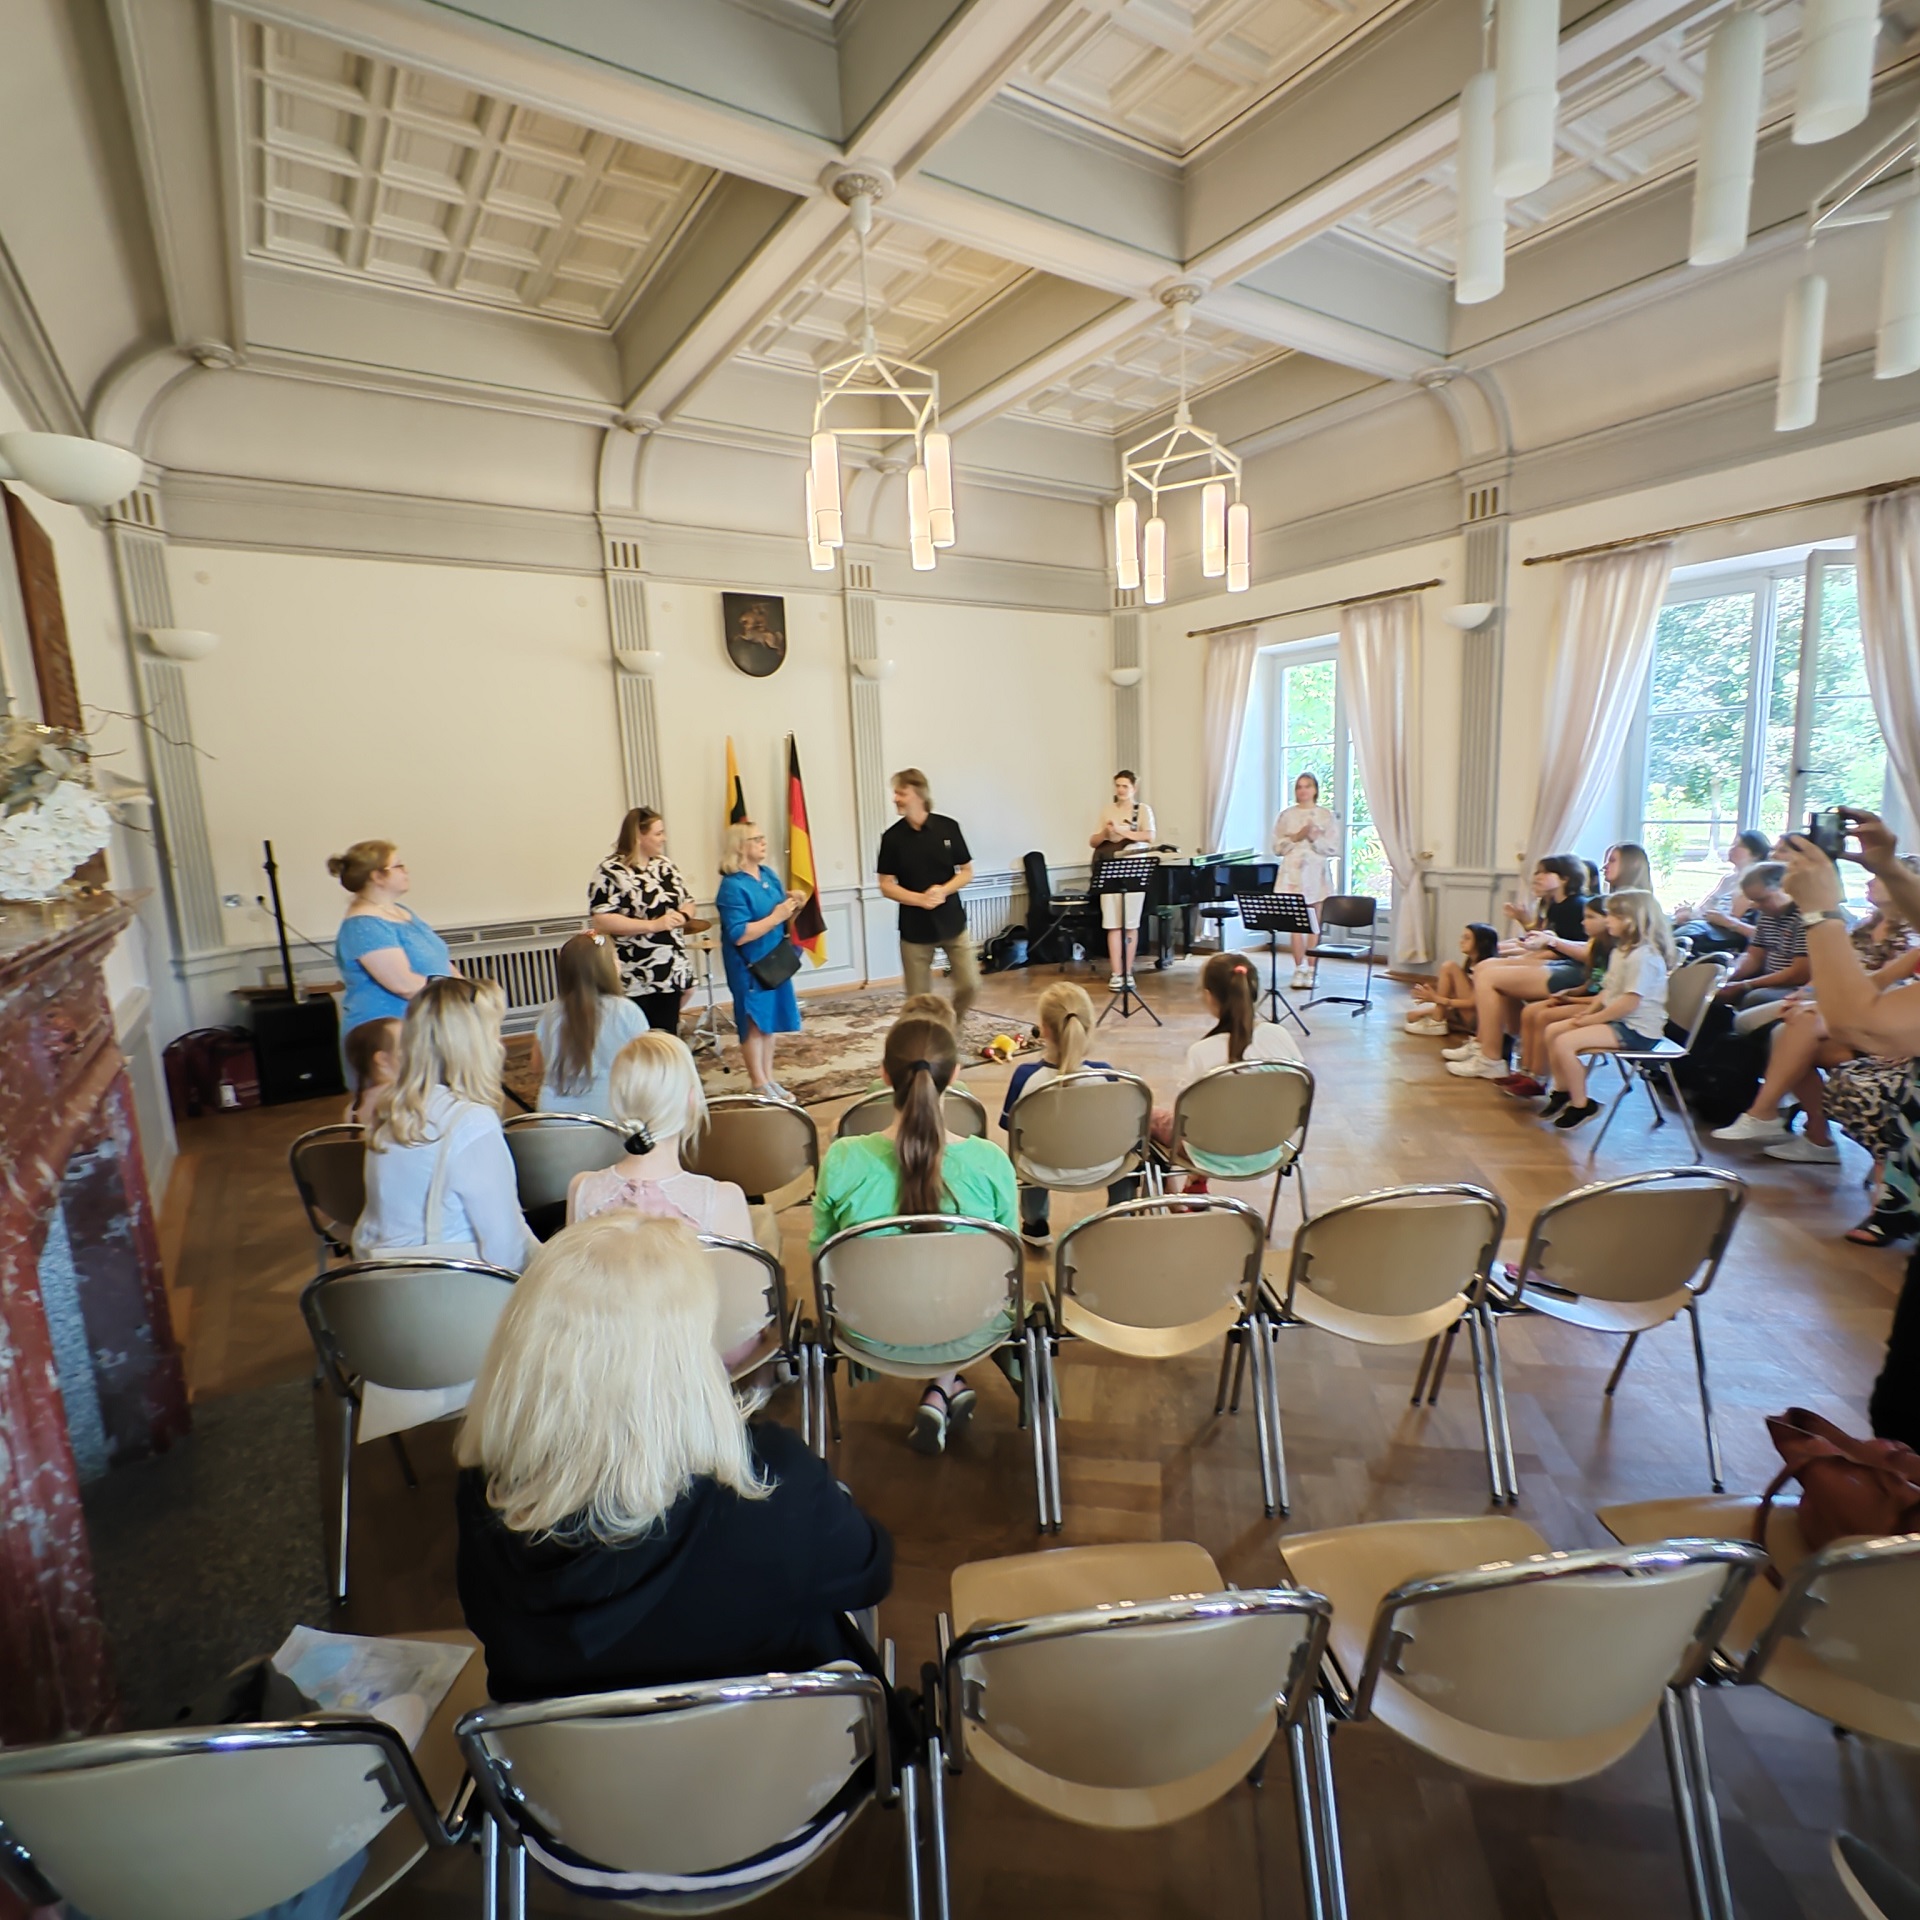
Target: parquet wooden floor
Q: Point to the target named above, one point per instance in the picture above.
(1798, 1317)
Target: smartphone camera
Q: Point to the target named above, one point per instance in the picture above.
(1827, 829)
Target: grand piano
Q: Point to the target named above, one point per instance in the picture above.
(1183, 886)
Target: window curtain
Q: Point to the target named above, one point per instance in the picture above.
(1380, 672)
(1229, 680)
(1890, 635)
(1608, 607)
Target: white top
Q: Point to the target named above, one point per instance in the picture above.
(708, 1206)
(1133, 822)
(479, 1203)
(1306, 865)
(1269, 1042)
(1640, 970)
(620, 1021)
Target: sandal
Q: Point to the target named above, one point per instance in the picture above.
(959, 1410)
(1869, 1233)
(928, 1434)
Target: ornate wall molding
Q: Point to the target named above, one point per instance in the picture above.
(634, 698)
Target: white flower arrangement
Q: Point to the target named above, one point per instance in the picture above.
(51, 820)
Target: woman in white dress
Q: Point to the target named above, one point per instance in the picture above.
(1306, 837)
(1125, 829)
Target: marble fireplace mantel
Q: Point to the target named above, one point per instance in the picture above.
(69, 1141)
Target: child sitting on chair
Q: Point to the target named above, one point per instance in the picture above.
(373, 1059)
(1539, 1018)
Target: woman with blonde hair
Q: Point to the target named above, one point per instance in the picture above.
(587, 1023)
(754, 909)
(439, 1177)
(914, 1167)
(385, 952)
(621, 1525)
(641, 900)
(1630, 1014)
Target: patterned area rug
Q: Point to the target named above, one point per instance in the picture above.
(836, 1052)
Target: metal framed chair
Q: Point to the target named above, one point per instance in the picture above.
(763, 1146)
(550, 1148)
(1125, 1688)
(1250, 1111)
(935, 1281)
(1528, 1666)
(753, 1308)
(1389, 1269)
(960, 1108)
(1081, 1132)
(1625, 1256)
(1690, 991)
(1877, 1887)
(399, 1341)
(1358, 914)
(665, 1794)
(215, 1823)
(1152, 1278)
(329, 1167)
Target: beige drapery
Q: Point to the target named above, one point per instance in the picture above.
(1608, 607)
(1890, 635)
(1229, 680)
(1380, 676)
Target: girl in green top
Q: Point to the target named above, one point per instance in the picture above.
(916, 1166)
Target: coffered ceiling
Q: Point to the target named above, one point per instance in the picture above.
(1141, 376)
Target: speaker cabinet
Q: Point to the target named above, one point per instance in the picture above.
(297, 1043)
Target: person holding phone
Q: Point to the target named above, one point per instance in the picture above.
(1886, 1023)
(754, 909)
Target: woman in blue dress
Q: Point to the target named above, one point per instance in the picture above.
(754, 909)
(386, 953)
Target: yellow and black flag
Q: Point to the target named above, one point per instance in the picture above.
(809, 926)
(736, 795)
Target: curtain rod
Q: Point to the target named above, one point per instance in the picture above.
(1722, 520)
(1318, 606)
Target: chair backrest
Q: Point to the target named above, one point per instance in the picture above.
(760, 1144)
(1139, 1695)
(1161, 1263)
(1348, 910)
(1853, 1606)
(550, 1148)
(205, 1823)
(412, 1325)
(753, 1290)
(1248, 1110)
(1400, 1251)
(1641, 1237)
(1559, 1646)
(960, 1111)
(330, 1171)
(918, 1280)
(1080, 1130)
(628, 1780)
(1690, 991)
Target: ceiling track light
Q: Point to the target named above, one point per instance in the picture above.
(1729, 131)
(1182, 459)
(870, 395)
(1526, 94)
(1480, 243)
(1833, 82)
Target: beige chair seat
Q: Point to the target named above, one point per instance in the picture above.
(1070, 1580)
(1376, 1329)
(1357, 1567)
(766, 1226)
(862, 1356)
(1147, 1343)
(1609, 1316)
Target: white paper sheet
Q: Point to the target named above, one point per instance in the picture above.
(399, 1681)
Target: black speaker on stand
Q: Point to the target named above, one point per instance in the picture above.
(296, 1040)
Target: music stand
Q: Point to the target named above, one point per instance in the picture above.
(1126, 875)
(1275, 914)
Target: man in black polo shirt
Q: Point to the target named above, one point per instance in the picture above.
(923, 864)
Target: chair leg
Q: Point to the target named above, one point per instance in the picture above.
(1707, 1810)
(1239, 1374)
(937, 1820)
(1715, 1466)
(1332, 1865)
(1685, 1807)
(1613, 1107)
(1306, 1821)
(406, 1464)
(516, 1878)
(1227, 1348)
(1496, 1475)
(489, 1868)
(349, 1422)
(1426, 1362)
(910, 1816)
(832, 1396)
(1032, 1388)
(1653, 1105)
(1300, 1177)
(1051, 1406)
(817, 1365)
(1440, 1369)
(1686, 1114)
(1266, 1384)
(1273, 1205)
(1620, 1365)
(1262, 1433)
(1497, 1368)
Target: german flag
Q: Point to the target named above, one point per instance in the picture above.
(736, 794)
(809, 926)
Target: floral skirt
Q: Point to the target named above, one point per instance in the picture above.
(1863, 1099)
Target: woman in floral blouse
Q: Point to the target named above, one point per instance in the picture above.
(640, 898)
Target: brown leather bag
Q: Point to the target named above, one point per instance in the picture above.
(1848, 1487)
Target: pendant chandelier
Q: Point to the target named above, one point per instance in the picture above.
(870, 395)
(1180, 459)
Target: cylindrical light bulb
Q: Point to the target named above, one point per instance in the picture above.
(820, 558)
(1213, 529)
(1897, 345)
(1798, 399)
(937, 453)
(825, 468)
(1833, 83)
(1729, 128)
(1527, 94)
(1239, 548)
(919, 512)
(1480, 238)
(1126, 542)
(1153, 572)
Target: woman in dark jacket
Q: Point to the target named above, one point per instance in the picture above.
(620, 1523)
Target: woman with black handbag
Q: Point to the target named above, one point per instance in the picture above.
(761, 960)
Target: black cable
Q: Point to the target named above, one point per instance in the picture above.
(305, 939)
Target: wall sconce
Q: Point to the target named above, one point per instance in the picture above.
(182, 643)
(873, 669)
(1474, 613)
(646, 661)
(76, 472)
(1126, 676)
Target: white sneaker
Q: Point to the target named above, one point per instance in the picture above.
(1432, 1026)
(1479, 1067)
(1748, 1128)
(1796, 1146)
(1301, 978)
(1115, 982)
(1468, 1049)
(1130, 983)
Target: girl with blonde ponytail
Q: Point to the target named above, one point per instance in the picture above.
(916, 1167)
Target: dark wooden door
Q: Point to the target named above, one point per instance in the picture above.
(46, 618)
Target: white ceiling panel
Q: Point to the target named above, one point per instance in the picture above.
(1141, 377)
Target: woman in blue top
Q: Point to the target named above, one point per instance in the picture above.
(385, 952)
(754, 909)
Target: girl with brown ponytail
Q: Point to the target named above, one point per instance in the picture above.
(916, 1167)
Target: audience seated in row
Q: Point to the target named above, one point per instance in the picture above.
(1720, 921)
(1774, 962)
(581, 1032)
(1445, 1004)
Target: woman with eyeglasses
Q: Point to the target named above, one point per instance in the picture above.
(754, 907)
(385, 952)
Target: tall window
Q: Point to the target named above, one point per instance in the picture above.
(1757, 711)
(1310, 736)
